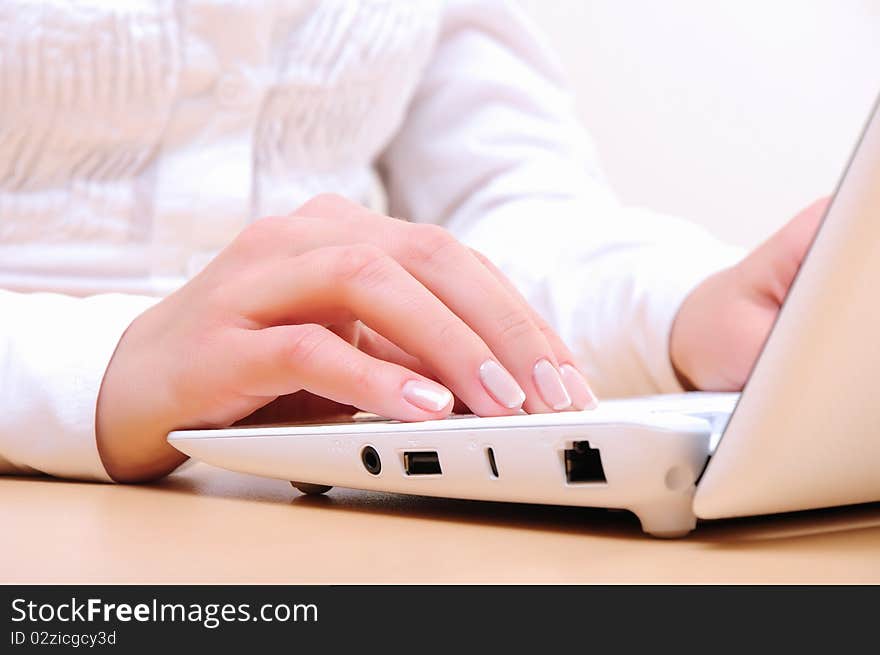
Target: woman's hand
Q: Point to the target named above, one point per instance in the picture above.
(722, 325)
(345, 304)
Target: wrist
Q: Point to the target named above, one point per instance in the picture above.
(683, 380)
(132, 420)
(691, 340)
(709, 340)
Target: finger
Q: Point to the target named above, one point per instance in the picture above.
(375, 345)
(775, 262)
(463, 284)
(285, 359)
(458, 278)
(504, 322)
(362, 282)
(349, 331)
(582, 396)
(300, 407)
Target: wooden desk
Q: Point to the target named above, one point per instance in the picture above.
(203, 524)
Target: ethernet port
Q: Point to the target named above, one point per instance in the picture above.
(583, 463)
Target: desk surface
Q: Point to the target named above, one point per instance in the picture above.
(203, 524)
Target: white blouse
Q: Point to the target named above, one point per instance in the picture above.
(137, 138)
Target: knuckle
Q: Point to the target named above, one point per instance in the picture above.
(362, 375)
(550, 336)
(545, 328)
(485, 261)
(303, 344)
(261, 233)
(515, 324)
(362, 263)
(323, 204)
(451, 332)
(427, 243)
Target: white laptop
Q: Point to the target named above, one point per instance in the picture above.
(805, 432)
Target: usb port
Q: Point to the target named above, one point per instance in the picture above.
(421, 463)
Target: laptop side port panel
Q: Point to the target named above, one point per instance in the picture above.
(583, 464)
(422, 462)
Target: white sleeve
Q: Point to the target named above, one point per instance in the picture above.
(491, 148)
(54, 350)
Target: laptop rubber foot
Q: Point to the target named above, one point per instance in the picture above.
(310, 489)
(669, 520)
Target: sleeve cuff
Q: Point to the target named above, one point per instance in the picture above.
(57, 354)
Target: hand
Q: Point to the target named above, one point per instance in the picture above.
(345, 304)
(722, 325)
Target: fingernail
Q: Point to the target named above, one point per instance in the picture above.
(501, 385)
(581, 395)
(550, 385)
(427, 395)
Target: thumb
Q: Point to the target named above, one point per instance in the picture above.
(776, 261)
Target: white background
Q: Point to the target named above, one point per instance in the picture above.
(731, 113)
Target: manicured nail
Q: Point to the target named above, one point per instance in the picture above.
(550, 385)
(427, 395)
(501, 385)
(581, 395)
